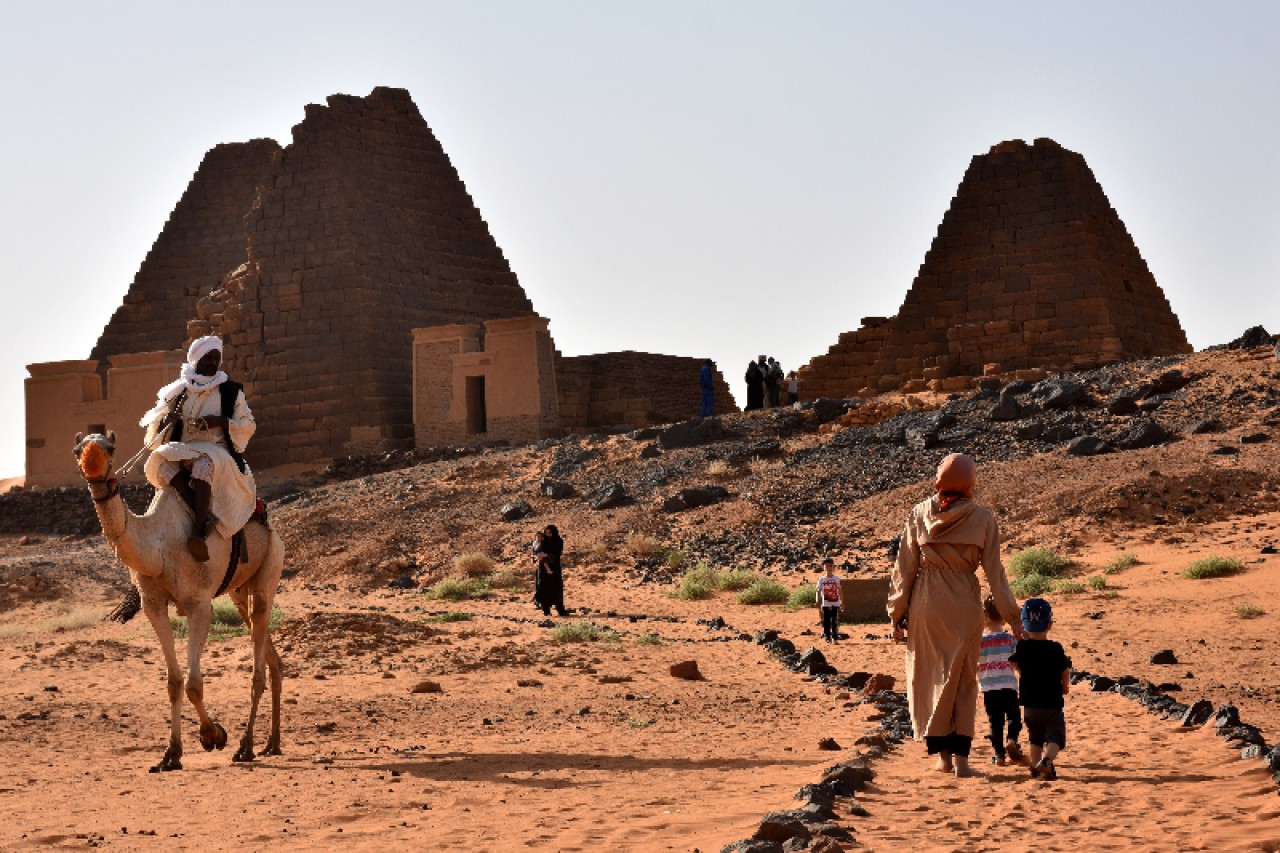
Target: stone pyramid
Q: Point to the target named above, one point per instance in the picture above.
(1031, 268)
(203, 239)
(363, 232)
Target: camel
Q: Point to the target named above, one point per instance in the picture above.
(154, 548)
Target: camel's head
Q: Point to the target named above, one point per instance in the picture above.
(93, 454)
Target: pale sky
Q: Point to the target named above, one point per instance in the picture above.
(700, 178)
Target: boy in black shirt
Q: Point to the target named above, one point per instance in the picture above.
(1043, 670)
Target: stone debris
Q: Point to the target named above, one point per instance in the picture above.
(687, 670)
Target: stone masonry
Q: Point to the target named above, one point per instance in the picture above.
(633, 388)
(1031, 268)
(364, 232)
(203, 239)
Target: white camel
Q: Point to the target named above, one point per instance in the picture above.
(154, 547)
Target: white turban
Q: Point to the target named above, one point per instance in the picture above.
(200, 346)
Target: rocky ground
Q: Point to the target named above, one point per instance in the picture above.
(525, 740)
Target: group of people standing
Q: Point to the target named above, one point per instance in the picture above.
(765, 381)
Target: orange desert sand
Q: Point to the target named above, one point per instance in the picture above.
(537, 744)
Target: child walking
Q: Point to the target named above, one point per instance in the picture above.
(830, 600)
(1043, 682)
(999, 685)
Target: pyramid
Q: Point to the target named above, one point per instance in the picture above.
(203, 239)
(363, 232)
(1031, 268)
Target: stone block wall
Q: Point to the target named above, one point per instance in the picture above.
(633, 388)
(203, 239)
(363, 232)
(1031, 268)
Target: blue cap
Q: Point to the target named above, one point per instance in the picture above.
(1036, 615)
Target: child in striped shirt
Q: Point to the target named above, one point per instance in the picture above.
(999, 684)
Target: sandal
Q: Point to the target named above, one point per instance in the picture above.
(1015, 753)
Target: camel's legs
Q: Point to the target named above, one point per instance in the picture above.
(199, 619)
(275, 670)
(257, 611)
(158, 614)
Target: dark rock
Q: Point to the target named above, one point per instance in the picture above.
(1029, 431)
(1225, 450)
(751, 845)
(1255, 336)
(988, 384)
(855, 680)
(814, 662)
(1254, 438)
(608, 496)
(1059, 392)
(644, 433)
(848, 777)
(687, 670)
(1198, 714)
(1207, 425)
(1123, 403)
(515, 511)
(763, 447)
(768, 635)
(827, 409)
(782, 826)
(1273, 759)
(1017, 387)
(556, 489)
(1167, 383)
(1007, 409)
(691, 433)
(1144, 433)
(402, 582)
(695, 497)
(1101, 684)
(1226, 716)
(780, 647)
(829, 744)
(650, 451)
(879, 682)
(1059, 433)
(1252, 752)
(1087, 445)
(1164, 656)
(921, 438)
(820, 794)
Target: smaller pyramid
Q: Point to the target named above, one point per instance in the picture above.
(1031, 268)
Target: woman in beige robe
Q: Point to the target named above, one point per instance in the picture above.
(946, 539)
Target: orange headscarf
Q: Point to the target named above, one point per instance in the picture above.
(955, 478)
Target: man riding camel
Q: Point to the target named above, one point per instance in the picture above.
(209, 425)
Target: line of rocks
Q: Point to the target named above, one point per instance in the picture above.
(1224, 718)
(814, 825)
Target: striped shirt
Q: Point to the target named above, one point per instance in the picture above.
(995, 672)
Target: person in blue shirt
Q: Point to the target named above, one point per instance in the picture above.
(707, 382)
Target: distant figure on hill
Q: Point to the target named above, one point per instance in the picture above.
(706, 381)
(773, 382)
(755, 385)
(945, 539)
(549, 591)
(793, 388)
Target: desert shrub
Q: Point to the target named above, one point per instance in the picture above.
(675, 558)
(1068, 587)
(1030, 585)
(639, 722)
(68, 618)
(508, 579)
(473, 564)
(449, 616)
(805, 595)
(1212, 567)
(764, 591)
(641, 545)
(691, 588)
(578, 632)
(758, 465)
(1097, 583)
(226, 621)
(719, 468)
(737, 580)
(1038, 561)
(648, 638)
(1249, 610)
(1123, 560)
(599, 552)
(459, 589)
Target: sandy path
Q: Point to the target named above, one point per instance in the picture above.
(1128, 781)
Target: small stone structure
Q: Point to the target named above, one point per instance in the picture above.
(1031, 269)
(502, 380)
(67, 397)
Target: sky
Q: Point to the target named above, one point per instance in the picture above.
(715, 178)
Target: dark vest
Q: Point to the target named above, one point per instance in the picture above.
(227, 391)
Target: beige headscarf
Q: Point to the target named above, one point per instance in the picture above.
(955, 478)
